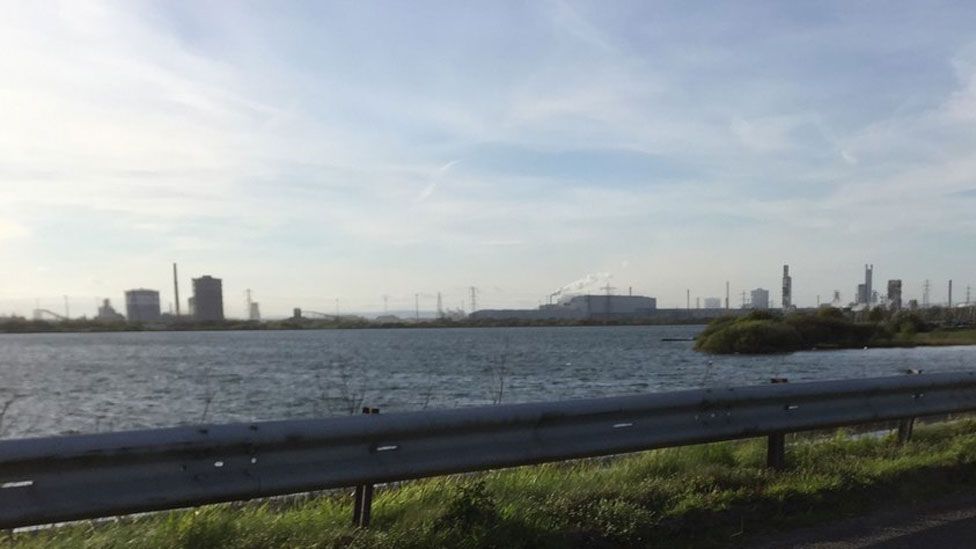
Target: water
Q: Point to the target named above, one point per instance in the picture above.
(71, 383)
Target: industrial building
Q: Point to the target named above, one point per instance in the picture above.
(595, 307)
(142, 305)
(208, 299)
(591, 306)
(894, 294)
(581, 307)
(759, 298)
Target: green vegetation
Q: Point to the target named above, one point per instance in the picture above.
(947, 337)
(704, 496)
(770, 332)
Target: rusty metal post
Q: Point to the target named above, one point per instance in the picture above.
(905, 426)
(776, 443)
(363, 504)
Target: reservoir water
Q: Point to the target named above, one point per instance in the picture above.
(75, 383)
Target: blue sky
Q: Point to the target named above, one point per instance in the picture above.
(313, 151)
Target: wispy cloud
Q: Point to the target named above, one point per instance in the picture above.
(435, 180)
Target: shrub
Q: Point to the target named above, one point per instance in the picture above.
(753, 337)
(769, 332)
(908, 323)
(832, 331)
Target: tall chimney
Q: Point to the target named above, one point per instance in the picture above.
(176, 290)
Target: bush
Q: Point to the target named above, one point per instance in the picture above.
(767, 332)
(752, 337)
(832, 331)
(908, 323)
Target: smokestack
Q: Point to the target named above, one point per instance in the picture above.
(176, 290)
(726, 295)
(950, 294)
(787, 288)
(868, 284)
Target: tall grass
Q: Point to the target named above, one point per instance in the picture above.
(707, 495)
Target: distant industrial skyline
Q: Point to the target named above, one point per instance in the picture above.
(487, 298)
(320, 151)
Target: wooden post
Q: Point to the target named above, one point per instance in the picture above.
(776, 444)
(905, 426)
(363, 504)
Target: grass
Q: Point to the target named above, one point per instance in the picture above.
(702, 496)
(946, 337)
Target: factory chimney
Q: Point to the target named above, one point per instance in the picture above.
(787, 288)
(176, 290)
(868, 297)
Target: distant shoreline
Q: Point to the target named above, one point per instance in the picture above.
(23, 326)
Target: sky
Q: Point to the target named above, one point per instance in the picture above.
(314, 151)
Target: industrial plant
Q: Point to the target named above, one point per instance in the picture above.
(572, 302)
(144, 305)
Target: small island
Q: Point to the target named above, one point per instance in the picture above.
(766, 332)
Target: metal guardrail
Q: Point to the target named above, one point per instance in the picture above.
(57, 479)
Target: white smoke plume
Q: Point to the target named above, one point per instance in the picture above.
(582, 284)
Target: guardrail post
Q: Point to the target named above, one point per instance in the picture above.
(905, 426)
(363, 504)
(776, 444)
